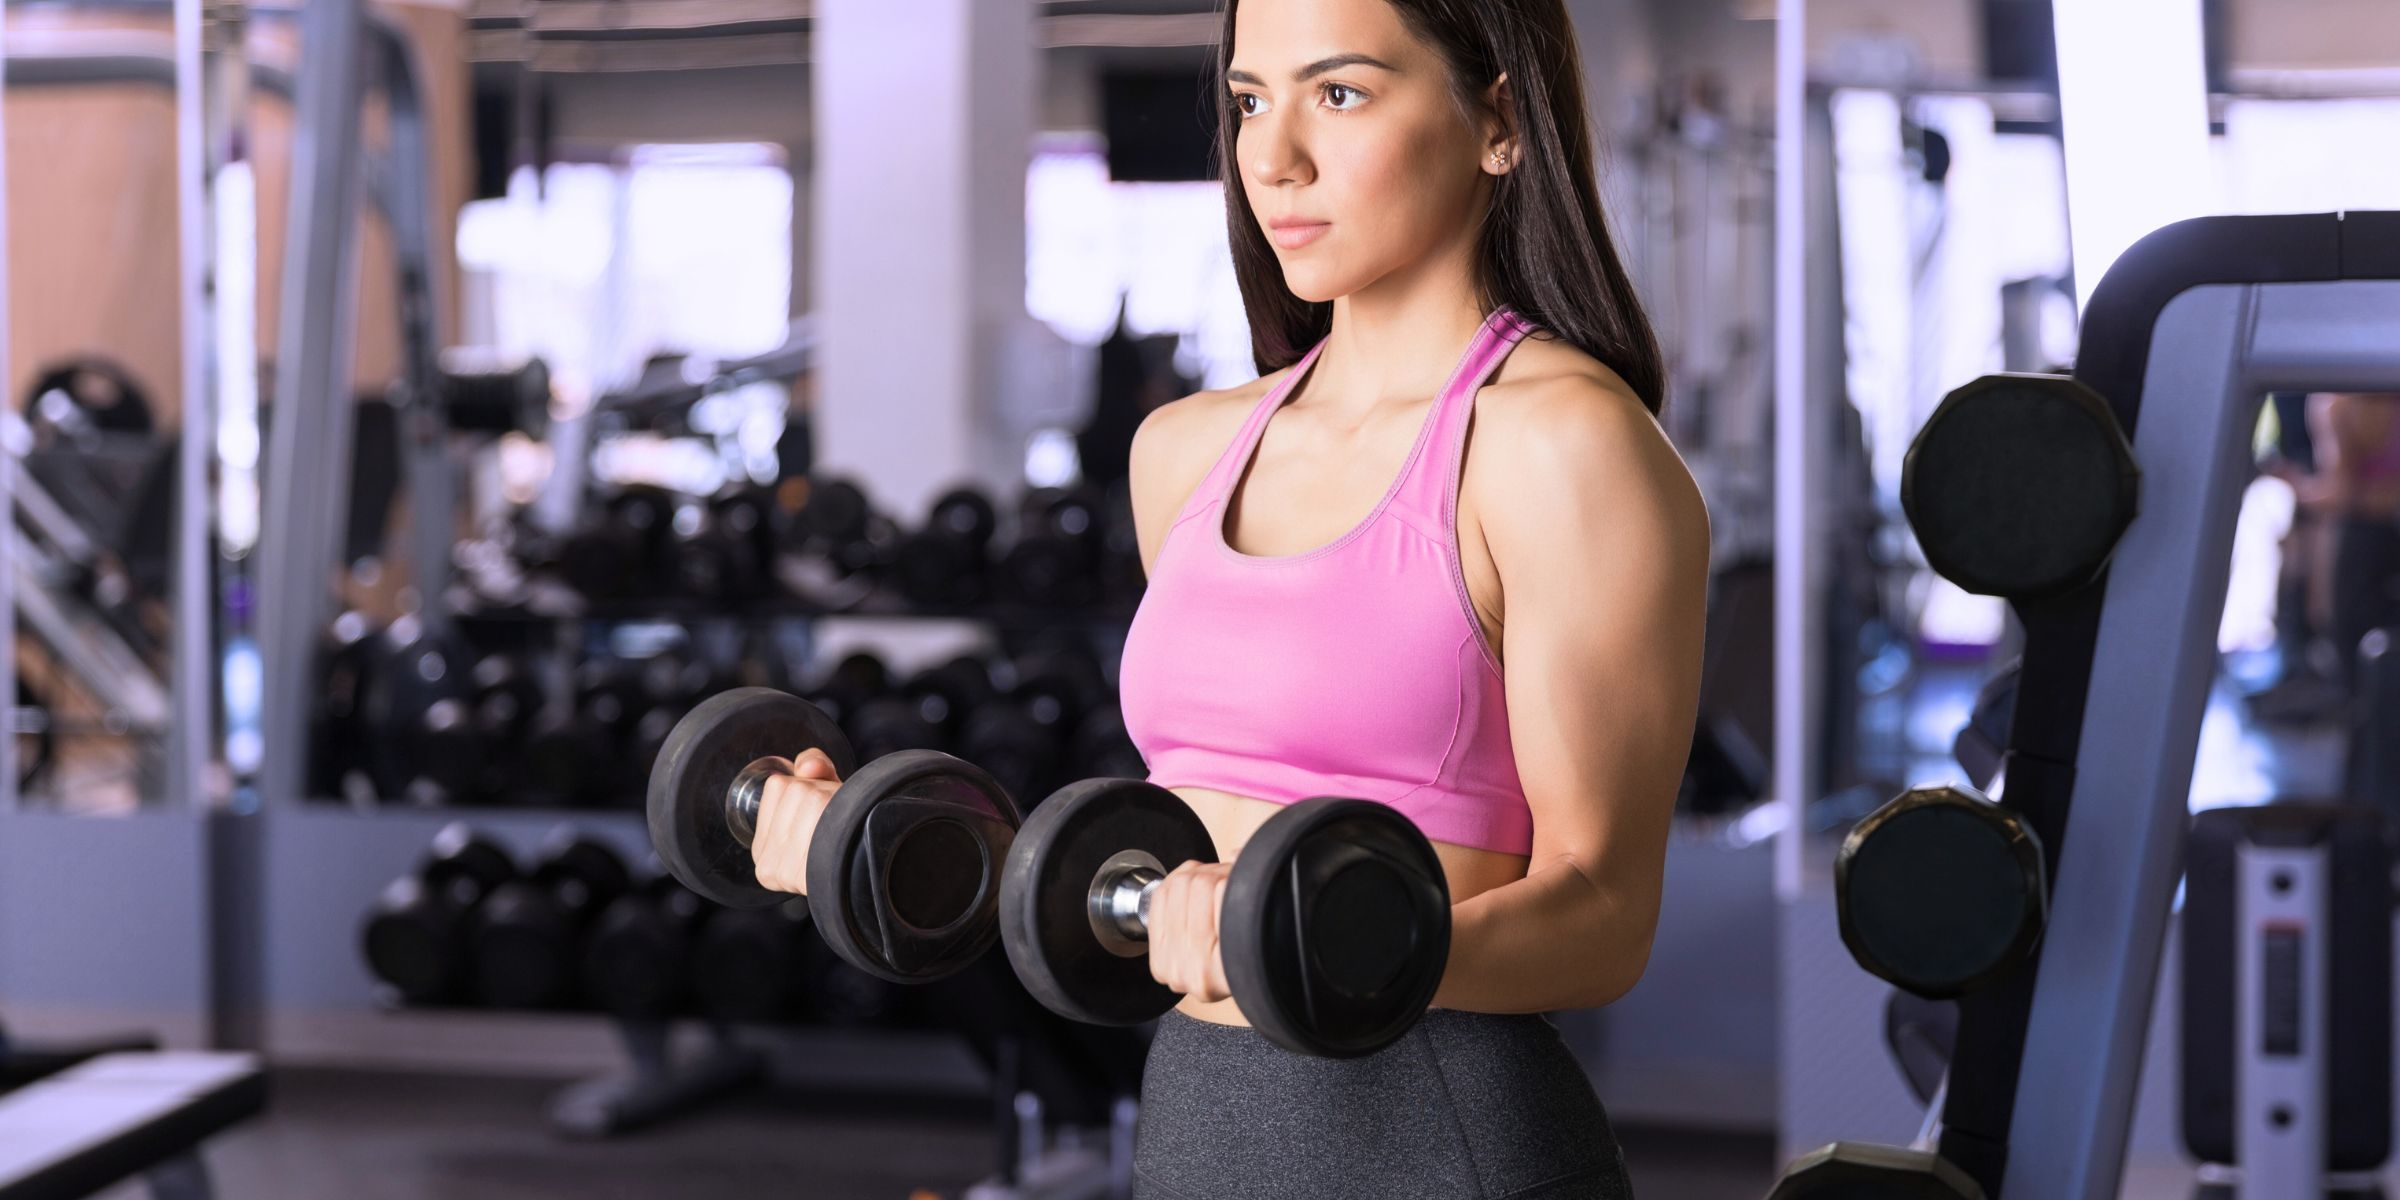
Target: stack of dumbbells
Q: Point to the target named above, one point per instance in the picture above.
(822, 542)
(409, 717)
(575, 929)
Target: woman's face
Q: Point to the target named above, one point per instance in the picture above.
(1346, 122)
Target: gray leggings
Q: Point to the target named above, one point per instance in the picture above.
(1467, 1106)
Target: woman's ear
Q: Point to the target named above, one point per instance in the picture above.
(1501, 146)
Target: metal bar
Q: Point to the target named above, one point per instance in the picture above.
(1794, 738)
(92, 652)
(432, 492)
(310, 439)
(11, 445)
(38, 57)
(190, 742)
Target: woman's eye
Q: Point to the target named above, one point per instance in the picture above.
(1241, 108)
(1336, 87)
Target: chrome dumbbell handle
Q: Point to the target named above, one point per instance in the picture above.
(1119, 904)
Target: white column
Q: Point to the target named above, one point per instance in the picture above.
(924, 121)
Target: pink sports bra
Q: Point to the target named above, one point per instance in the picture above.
(1356, 669)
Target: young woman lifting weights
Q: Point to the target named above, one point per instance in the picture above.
(1451, 467)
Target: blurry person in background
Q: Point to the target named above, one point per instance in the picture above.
(2344, 546)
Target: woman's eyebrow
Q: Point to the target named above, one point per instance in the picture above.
(1316, 68)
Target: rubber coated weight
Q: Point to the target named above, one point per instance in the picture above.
(696, 768)
(1335, 927)
(904, 866)
(1863, 1171)
(1046, 894)
(2019, 485)
(1941, 891)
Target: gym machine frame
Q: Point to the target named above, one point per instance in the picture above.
(2195, 323)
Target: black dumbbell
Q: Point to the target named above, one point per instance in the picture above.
(575, 753)
(637, 957)
(340, 733)
(836, 523)
(903, 866)
(747, 963)
(1004, 737)
(526, 940)
(495, 402)
(715, 551)
(948, 693)
(622, 550)
(415, 672)
(946, 563)
(833, 992)
(1055, 560)
(1334, 928)
(1941, 891)
(888, 725)
(1059, 685)
(843, 690)
(415, 938)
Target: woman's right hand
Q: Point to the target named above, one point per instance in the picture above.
(788, 808)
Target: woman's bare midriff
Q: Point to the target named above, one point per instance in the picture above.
(1232, 819)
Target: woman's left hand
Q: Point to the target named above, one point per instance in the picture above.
(1184, 953)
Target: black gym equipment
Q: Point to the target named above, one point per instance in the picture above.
(2019, 485)
(1864, 1171)
(2287, 1000)
(946, 564)
(1941, 891)
(1334, 928)
(415, 939)
(1055, 560)
(637, 958)
(416, 712)
(746, 963)
(848, 685)
(526, 940)
(903, 864)
(624, 548)
(493, 402)
(2190, 328)
(79, 400)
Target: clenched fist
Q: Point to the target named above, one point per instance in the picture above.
(1184, 954)
(788, 808)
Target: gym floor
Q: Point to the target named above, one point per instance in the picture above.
(385, 1136)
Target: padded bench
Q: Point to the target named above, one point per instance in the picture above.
(121, 1115)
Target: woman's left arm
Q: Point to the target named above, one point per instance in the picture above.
(1601, 540)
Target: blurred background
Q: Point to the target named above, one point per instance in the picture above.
(414, 407)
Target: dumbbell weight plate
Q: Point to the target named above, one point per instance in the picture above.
(708, 748)
(1335, 927)
(904, 865)
(1045, 895)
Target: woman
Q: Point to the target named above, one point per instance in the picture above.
(1339, 572)
(2354, 496)
(1344, 553)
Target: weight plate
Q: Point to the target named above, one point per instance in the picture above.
(1941, 891)
(1336, 927)
(903, 869)
(1045, 895)
(708, 748)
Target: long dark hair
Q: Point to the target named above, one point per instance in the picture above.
(1543, 248)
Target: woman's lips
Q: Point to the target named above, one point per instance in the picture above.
(1292, 237)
